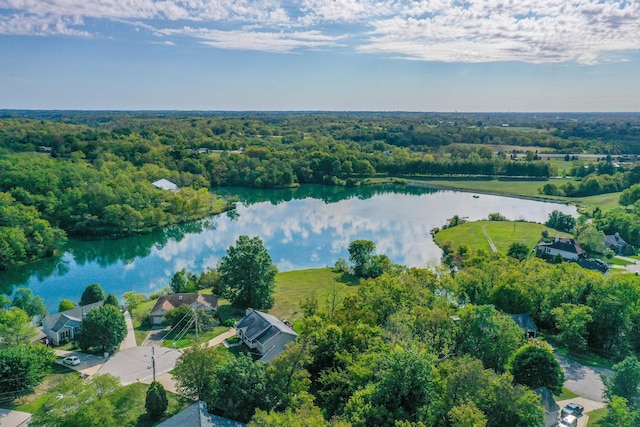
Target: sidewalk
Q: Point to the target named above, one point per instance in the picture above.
(130, 339)
(220, 338)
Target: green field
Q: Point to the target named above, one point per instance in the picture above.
(503, 234)
(596, 417)
(527, 189)
(294, 286)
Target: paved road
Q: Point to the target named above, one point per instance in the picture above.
(155, 336)
(135, 364)
(632, 268)
(583, 380)
(130, 339)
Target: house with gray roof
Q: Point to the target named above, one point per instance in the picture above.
(569, 249)
(617, 244)
(549, 406)
(64, 326)
(165, 184)
(264, 334)
(526, 323)
(196, 415)
(168, 302)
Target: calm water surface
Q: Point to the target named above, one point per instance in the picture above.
(305, 228)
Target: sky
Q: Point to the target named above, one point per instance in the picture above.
(338, 55)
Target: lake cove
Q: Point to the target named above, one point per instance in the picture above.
(302, 228)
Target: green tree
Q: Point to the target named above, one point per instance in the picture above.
(92, 293)
(195, 371)
(306, 416)
(535, 366)
(183, 281)
(133, 300)
(561, 221)
(360, 253)
(23, 367)
(573, 321)
(15, 327)
(488, 335)
(247, 275)
(103, 328)
(591, 239)
(619, 414)
(33, 305)
(630, 195)
(624, 382)
(112, 300)
(239, 388)
(467, 415)
(518, 251)
(156, 401)
(65, 305)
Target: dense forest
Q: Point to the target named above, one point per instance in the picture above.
(90, 173)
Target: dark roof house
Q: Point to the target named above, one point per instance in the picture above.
(567, 248)
(196, 415)
(526, 323)
(617, 244)
(264, 333)
(169, 302)
(549, 406)
(65, 325)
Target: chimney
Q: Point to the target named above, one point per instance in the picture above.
(249, 310)
(617, 235)
(557, 239)
(179, 297)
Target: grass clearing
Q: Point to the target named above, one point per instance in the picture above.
(566, 395)
(596, 417)
(190, 337)
(139, 318)
(503, 234)
(619, 261)
(46, 392)
(292, 287)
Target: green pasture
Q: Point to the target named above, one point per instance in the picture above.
(503, 234)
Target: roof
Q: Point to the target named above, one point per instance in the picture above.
(165, 184)
(524, 321)
(169, 302)
(614, 240)
(196, 415)
(547, 400)
(55, 322)
(564, 244)
(261, 327)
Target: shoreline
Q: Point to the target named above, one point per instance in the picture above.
(493, 193)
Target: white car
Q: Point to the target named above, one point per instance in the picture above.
(71, 360)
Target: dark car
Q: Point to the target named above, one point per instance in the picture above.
(572, 409)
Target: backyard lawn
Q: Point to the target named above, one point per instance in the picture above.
(502, 233)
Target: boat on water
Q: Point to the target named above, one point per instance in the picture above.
(475, 196)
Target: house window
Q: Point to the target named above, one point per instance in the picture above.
(64, 335)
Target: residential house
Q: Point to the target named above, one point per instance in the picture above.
(569, 249)
(549, 406)
(266, 335)
(64, 326)
(168, 302)
(165, 184)
(196, 415)
(617, 244)
(526, 323)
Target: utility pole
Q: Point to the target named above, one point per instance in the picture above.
(195, 313)
(153, 362)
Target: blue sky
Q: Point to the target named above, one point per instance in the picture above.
(410, 55)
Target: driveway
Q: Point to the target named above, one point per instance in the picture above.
(589, 405)
(130, 340)
(89, 363)
(155, 336)
(135, 364)
(583, 380)
(632, 268)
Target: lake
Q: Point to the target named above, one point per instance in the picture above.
(302, 228)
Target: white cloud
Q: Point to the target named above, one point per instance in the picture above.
(584, 31)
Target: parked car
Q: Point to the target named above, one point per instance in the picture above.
(71, 360)
(569, 421)
(572, 409)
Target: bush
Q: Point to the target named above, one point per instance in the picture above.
(156, 402)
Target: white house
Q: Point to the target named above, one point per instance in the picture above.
(266, 335)
(64, 326)
(569, 249)
(165, 184)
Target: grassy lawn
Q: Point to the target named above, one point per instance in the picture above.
(190, 337)
(138, 316)
(619, 261)
(605, 202)
(293, 287)
(595, 417)
(46, 392)
(503, 234)
(565, 395)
